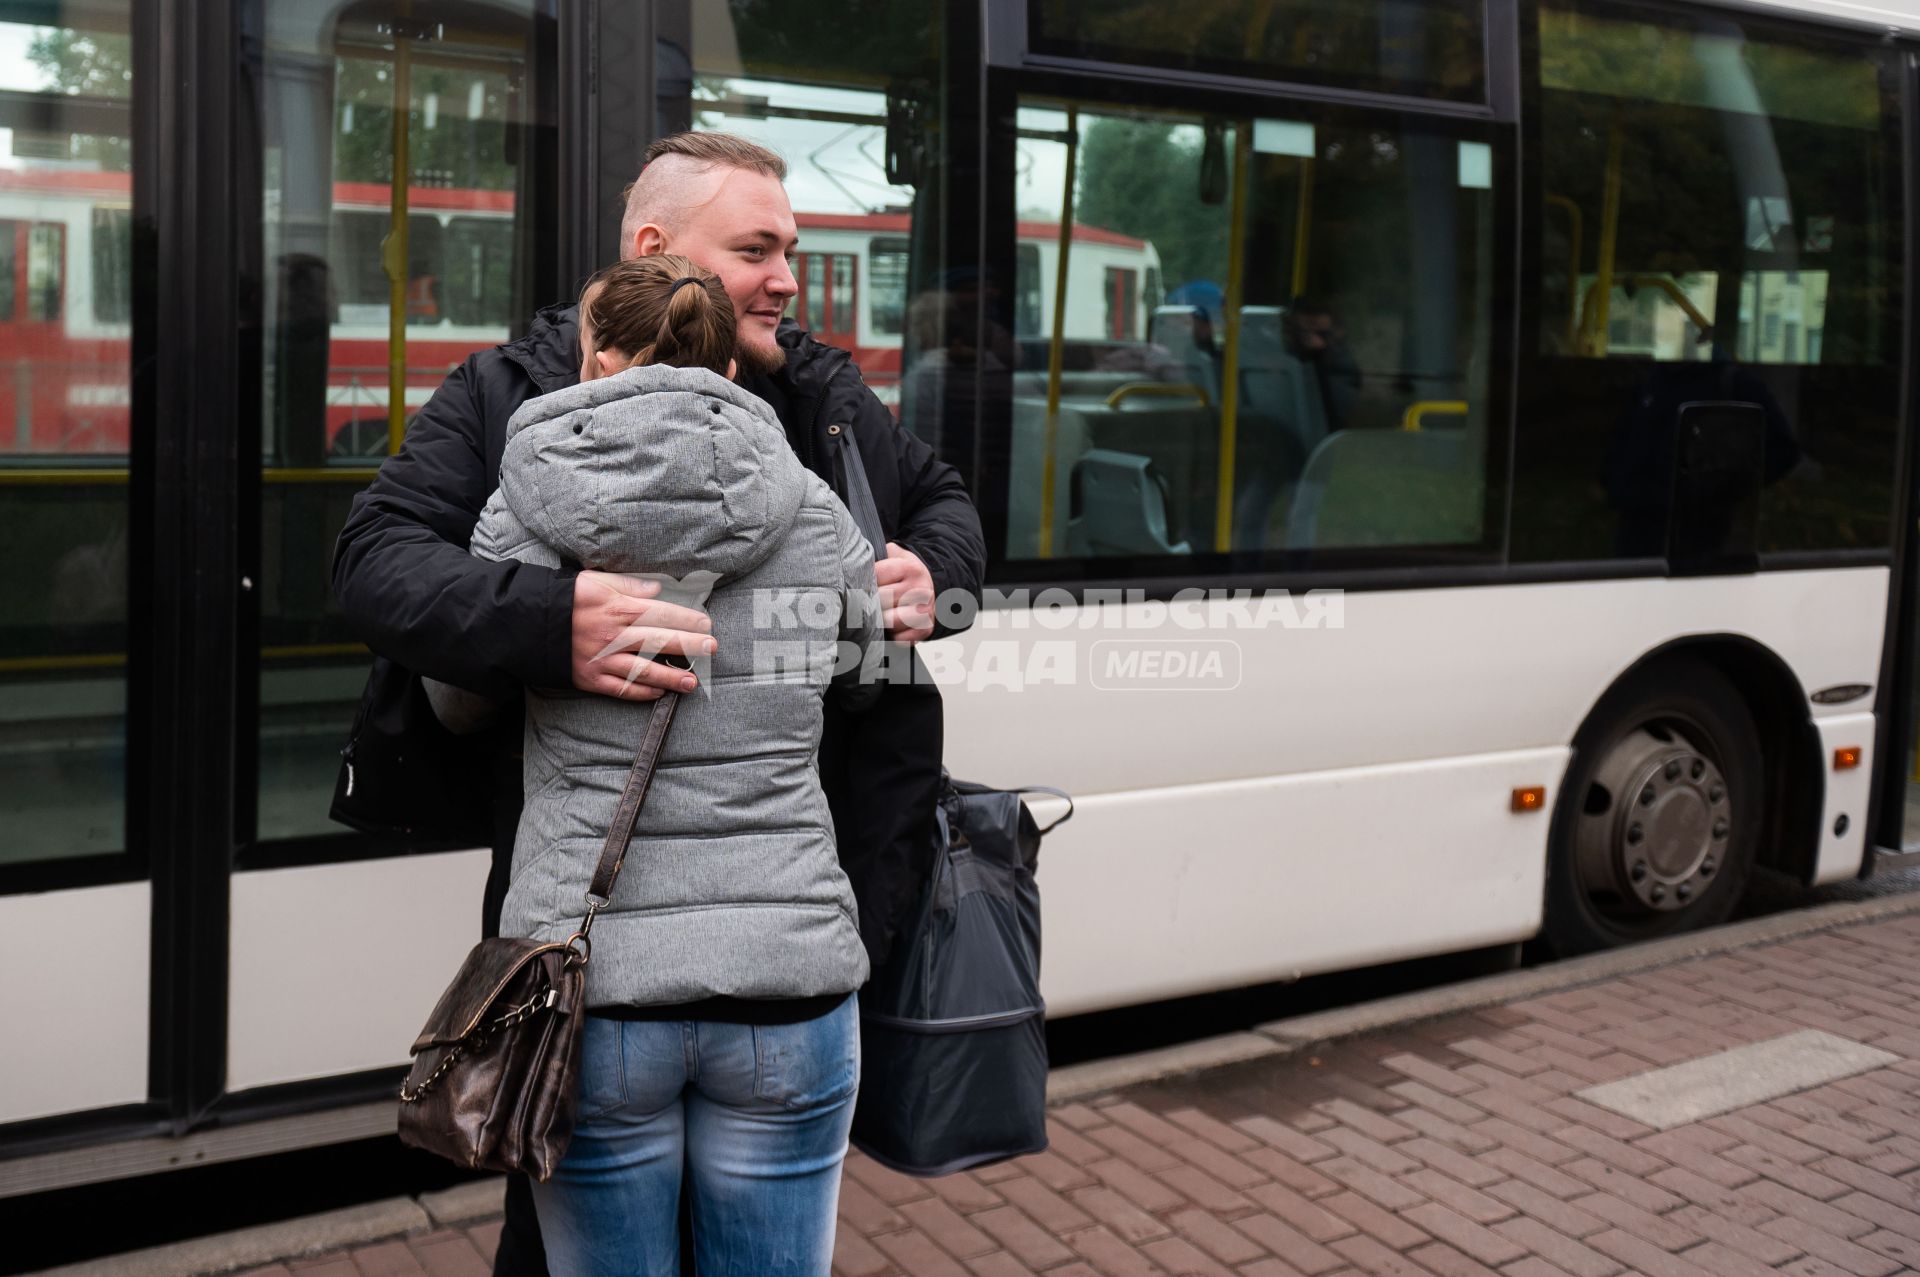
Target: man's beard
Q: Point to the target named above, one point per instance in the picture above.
(765, 360)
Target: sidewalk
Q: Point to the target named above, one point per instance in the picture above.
(1455, 1147)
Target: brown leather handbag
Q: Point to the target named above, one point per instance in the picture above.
(497, 1067)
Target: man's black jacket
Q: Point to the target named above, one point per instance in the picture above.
(403, 575)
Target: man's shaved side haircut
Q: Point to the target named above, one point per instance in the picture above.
(664, 189)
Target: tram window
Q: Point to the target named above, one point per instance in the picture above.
(1718, 218)
(814, 314)
(9, 265)
(46, 271)
(1358, 359)
(1026, 298)
(1123, 303)
(477, 137)
(112, 254)
(64, 394)
(887, 285)
(1401, 46)
(842, 300)
(477, 278)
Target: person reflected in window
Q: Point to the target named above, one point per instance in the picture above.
(1291, 398)
(963, 356)
(1642, 462)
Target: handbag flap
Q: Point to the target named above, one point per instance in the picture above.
(490, 968)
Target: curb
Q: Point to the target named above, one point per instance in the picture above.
(465, 1203)
(249, 1247)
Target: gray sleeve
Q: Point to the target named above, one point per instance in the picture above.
(857, 687)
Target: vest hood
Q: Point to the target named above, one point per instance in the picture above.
(655, 469)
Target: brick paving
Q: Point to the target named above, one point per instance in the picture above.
(1455, 1148)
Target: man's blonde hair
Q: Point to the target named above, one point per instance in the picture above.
(661, 194)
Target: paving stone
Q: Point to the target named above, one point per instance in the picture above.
(1019, 1234)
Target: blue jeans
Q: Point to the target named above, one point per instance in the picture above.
(758, 1118)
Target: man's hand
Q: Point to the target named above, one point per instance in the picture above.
(613, 618)
(906, 595)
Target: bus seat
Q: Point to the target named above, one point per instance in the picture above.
(1389, 487)
(1026, 470)
(1119, 507)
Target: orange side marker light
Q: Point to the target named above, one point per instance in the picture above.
(1532, 798)
(1846, 758)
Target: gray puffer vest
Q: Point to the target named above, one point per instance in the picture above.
(731, 885)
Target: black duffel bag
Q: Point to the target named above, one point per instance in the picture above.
(403, 774)
(953, 1040)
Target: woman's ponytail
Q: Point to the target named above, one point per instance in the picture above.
(661, 310)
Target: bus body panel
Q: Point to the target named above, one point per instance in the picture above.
(335, 967)
(1368, 822)
(76, 999)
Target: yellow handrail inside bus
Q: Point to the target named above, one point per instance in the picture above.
(1056, 352)
(1159, 390)
(1302, 228)
(119, 474)
(1418, 412)
(1596, 318)
(394, 254)
(109, 660)
(1230, 362)
(1575, 234)
(1694, 314)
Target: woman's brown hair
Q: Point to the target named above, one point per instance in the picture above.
(660, 310)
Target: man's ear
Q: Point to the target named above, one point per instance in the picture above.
(649, 241)
(610, 362)
(733, 369)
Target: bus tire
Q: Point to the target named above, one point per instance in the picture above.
(1656, 829)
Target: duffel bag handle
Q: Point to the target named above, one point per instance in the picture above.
(1061, 794)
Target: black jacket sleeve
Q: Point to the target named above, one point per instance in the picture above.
(937, 519)
(403, 575)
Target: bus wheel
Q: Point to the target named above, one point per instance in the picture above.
(1656, 829)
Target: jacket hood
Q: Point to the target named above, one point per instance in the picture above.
(655, 469)
(549, 352)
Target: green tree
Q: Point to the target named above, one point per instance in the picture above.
(1142, 178)
(458, 150)
(97, 64)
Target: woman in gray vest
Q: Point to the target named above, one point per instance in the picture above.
(722, 1033)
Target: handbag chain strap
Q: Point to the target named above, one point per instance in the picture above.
(478, 1039)
(600, 892)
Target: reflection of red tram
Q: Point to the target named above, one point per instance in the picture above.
(65, 304)
(852, 270)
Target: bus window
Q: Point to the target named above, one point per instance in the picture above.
(1718, 219)
(863, 114)
(65, 477)
(1313, 380)
(345, 369)
(1399, 46)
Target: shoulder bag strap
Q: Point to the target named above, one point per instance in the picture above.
(621, 834)
(857, 492)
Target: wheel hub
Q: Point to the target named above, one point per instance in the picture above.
(1657, 829)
